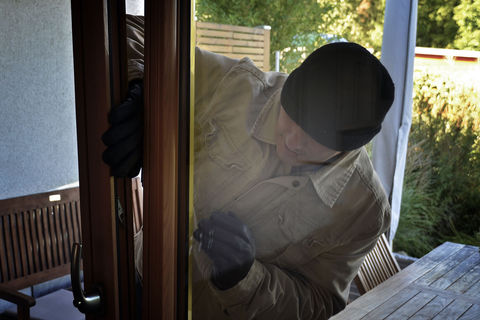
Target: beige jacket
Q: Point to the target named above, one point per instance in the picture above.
(312, 228)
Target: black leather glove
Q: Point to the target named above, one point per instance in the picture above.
(124, 138)
(229, 243)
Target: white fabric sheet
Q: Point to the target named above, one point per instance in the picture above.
(390, 145)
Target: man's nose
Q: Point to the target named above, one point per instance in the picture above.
(294, 141)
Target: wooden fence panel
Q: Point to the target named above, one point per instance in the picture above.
(236, 42)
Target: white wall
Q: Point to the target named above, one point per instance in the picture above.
(135, 7)
(38, 149)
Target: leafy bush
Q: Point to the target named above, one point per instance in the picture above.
(441, 196)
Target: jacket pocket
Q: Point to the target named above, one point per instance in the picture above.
(298, 254)
(222, 150)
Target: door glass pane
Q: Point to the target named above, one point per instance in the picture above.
(285, 202)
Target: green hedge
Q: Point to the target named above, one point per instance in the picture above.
(441, 193)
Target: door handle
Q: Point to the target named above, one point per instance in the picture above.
(85, 302)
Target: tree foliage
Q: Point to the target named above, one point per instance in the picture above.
(449, 24)
(435, 26)
(300, 26)
(467, 17)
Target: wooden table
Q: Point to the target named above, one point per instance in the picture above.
(444, 284)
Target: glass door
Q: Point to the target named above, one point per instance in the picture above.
(272, 235)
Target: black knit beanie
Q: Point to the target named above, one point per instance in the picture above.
(339, 95)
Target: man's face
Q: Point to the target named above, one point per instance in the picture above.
(295, 147)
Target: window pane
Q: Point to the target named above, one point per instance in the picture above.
(285, 200)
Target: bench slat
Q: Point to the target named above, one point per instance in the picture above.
(37, 222)
(75, 212)
(22, 243)
(8, 246)
(53, 236)
(17, 262)
(28, 242)
(66, 248)
(79, 219)
(35, 242)
(69, 225)
(59, 235)
(48, 238)
(3, 255)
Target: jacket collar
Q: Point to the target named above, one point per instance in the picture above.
(328, 181)
(265, 124)
(331, 179)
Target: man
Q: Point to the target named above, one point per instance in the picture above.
(286, 201)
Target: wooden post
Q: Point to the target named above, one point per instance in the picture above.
(167, 61)
(123, 196)
(93, 87)
(266, 48)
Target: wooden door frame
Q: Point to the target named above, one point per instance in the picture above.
(166, 158)
(123, 196)
(98, 78)
(100, 81)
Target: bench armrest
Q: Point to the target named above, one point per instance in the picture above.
(16, 297)
(23, 301)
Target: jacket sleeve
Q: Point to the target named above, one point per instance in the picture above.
(316, 289)
(135, 46)
(210, 68)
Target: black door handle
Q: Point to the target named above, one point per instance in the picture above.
(85, 302)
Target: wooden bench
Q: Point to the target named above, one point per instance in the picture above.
(36, 236)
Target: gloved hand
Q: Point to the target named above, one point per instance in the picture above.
(124, 138)
(228, 242)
